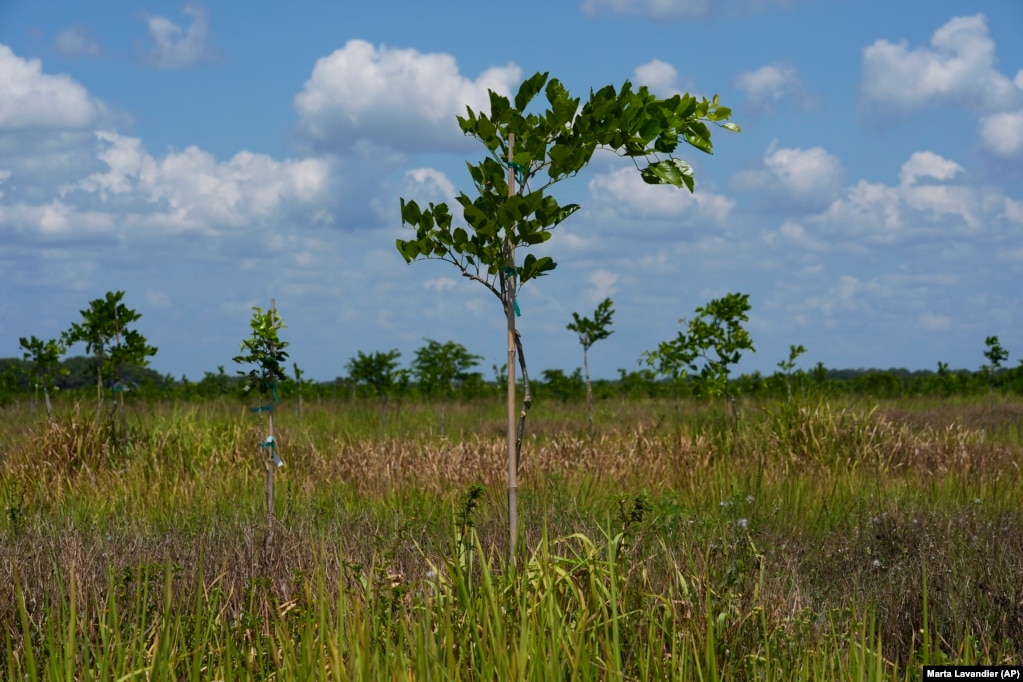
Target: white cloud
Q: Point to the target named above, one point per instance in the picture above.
(675, 9)
(158, 299)
(603, 284)
(927, 165)
(848, 294)
(771, 86)
(957, 69)
(76, 42)
(656, 9)
(813, 175)
(624, 193)
(428, 185)
(53, 219)
(396, 97)
(176, 48)
(932, 322)
(33, 100)
(793, 233)
(931, 203)
(1002, 133)
(439, 284)
(191, 190)
(1014, 210)
(660, 77)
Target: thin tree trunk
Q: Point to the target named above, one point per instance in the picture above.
(589, 389)
(509, 311)
(270, 463)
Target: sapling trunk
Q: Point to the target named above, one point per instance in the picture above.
(527, 400)
(589, 390)
(269, 461)
(513, 443)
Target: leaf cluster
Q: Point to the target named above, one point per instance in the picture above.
(265, 350)
(438, 365)
(995, 353)
(711, 343)
(378, 369)
(550, 146)
(104, 330)
(44, 356)
(597, 329)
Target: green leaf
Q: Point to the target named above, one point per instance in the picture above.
(669, 172)
(529, 89)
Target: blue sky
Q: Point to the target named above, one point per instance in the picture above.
(205, 157)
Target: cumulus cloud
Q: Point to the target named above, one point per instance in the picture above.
(53, 219)
(396, 97)
(772, 85)
(957, 69)
(1002, 133)
(427, 185)
(173, 47)
(930, 203)
(660, 77)
(602, 283)
(33, 100)
(623, 193)
(927, 165)
(807, 177)
(191, 191)
(77, 42)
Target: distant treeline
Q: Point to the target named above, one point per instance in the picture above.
(78, 375)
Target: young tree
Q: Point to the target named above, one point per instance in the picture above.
(712, 342)
(528, 154)
(45, 359)
(788, 365)
(996, 355)
(561, 385)
(265, 351)
(591, 331)
(104, 330)
(378, 370)
(437, 366)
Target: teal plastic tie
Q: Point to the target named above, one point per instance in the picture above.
(511, 274)
(520, 174)
(270, 406)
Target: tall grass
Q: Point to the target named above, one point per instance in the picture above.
(813, 540)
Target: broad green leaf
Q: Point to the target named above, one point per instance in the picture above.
(529, 89)
(669, 172)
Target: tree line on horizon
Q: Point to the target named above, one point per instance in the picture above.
(379, 375)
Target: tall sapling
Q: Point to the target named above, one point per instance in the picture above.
(527, 154)
(591, 331)
(265, 350)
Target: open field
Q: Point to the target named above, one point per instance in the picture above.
(811, 540)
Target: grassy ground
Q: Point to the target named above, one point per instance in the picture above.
(815, 540)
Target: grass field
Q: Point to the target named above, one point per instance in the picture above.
(810, 540)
